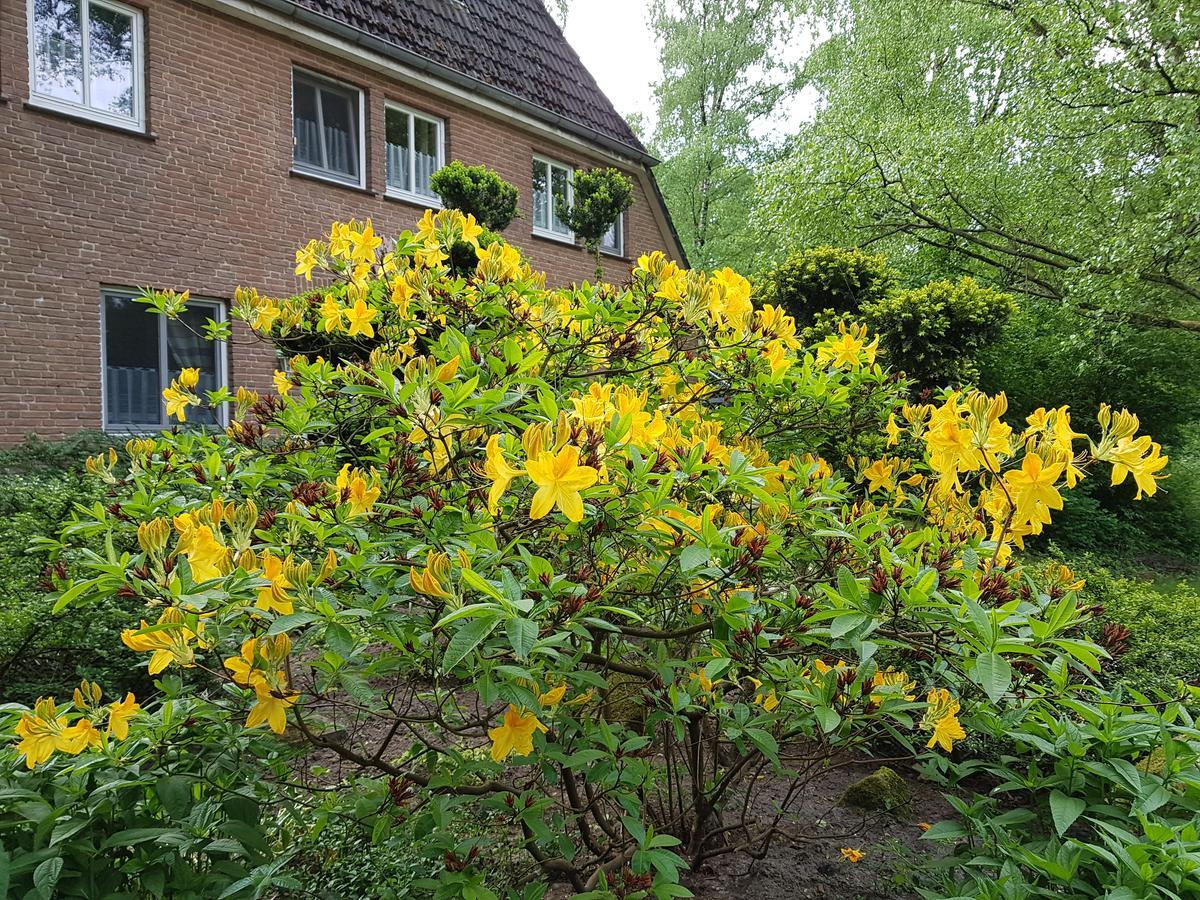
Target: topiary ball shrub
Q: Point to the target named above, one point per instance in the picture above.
(826, 278)
(478, 191)
(935, 333)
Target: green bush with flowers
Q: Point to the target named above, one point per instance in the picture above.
(418, 577)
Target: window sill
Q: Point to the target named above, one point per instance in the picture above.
(83, 118)
(567, 240)
(335, 182)
(413, 200)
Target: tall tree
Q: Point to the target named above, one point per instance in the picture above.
(725, 70)
(1050, 145)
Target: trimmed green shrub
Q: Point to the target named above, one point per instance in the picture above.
(479, 191)
(935, 333)
(826, 278)
(598, 199)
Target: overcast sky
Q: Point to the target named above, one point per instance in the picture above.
(614, 40)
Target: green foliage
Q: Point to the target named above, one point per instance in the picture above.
(37, 456)
(1073, 813)
(1149, 628)
(810, 282)
(42, 653)
(724, 74)
(941, 137)
(478, 191)
(935, 333)
(599, 198)
(177, 811)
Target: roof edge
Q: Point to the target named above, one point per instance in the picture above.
(456, 78)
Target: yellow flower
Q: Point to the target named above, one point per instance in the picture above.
(515, 735)
(189, 378)
(434, 579)
(551, 698)
(331, 315)
(177, 403)
(359, 318)
(363, 244)
(892, 678)
(43, 732)
(265, 315)
(306, 260)
(119, 715)
(168, 641)
(849, 854)
(362, 496)
(471, 230)
(942, 718)
(881, 474)
(271, 706)
(892, 430)
(274, 597)
(559, 479)
(777, 357)
(1032, 489)
(206, 555)
(1143, 459)
(283, 383)
(497, 468)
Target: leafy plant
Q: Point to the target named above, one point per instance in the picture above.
(478, 191)
(589, 565)
(599, 197)
(820, 279)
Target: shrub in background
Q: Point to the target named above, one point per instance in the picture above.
(43, 653)
(598, 199)
(813, 281)
(478, 191)
(935, 333)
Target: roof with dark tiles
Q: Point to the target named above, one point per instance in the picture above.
(513, 46)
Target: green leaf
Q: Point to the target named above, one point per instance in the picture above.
(175, 794)
(994, 674)
(827, 718)
(45, 876)
(522, 634)
(693, 557)
(467, 639)
(1065, 810)
(848, 587)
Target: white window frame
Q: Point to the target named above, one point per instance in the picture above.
(315, 171)
(619, 249)
(414, 196)
(222, 359)
(567, 237)
(82, 109)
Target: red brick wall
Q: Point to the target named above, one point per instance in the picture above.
(206, 202)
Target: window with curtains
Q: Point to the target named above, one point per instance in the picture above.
(143, 351)
(551, 183)
(415, 150)
(86, 59)
(327, 119)
(613, 241)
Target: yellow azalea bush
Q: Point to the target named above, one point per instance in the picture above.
(475, 513)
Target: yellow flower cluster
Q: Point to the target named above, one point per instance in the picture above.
(849, 349)
(261, 667)
(44, 730)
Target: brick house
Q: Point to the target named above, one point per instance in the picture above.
(194, 144)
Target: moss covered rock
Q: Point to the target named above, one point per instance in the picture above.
(881, 790)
